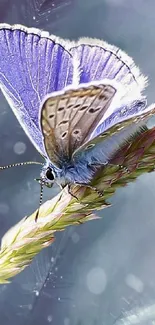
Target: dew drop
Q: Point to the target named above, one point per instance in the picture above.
(19, 148)
(134, 282)
(75, 237)
(49, 318)
(30, 306)
(37, 293)
(96, 280)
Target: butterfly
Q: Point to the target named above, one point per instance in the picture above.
(78, 102)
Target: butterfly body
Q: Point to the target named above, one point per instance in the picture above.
(71, 173)
(79, 164)
(81, 167)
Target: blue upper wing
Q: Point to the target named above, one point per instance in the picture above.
(99, 60)
(32, 64)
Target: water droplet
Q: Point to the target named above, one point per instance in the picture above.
(52, 259)
(59, 298)
(30, 306)
(49, 318)
(96, 280)
(75, 237)
(134, 282)
(19, 148)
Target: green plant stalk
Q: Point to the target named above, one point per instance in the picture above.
(27, 238)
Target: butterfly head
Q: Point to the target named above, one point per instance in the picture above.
(47, 176)
(51, 174)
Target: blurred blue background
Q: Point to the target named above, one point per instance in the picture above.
(103, 272)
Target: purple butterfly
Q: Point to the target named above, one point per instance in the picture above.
(66, 95)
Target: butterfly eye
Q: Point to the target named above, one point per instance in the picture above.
(49, 174)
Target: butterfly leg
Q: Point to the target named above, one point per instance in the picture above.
(100, 193)
(70, 192)
(125, 168)
(36, 216)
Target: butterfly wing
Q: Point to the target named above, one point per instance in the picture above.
(115, 132)
(32, 64)
(69, 117)
(99, 60)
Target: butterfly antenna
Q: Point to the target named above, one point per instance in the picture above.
(24, 164)
(41, 198)
(21, 164)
